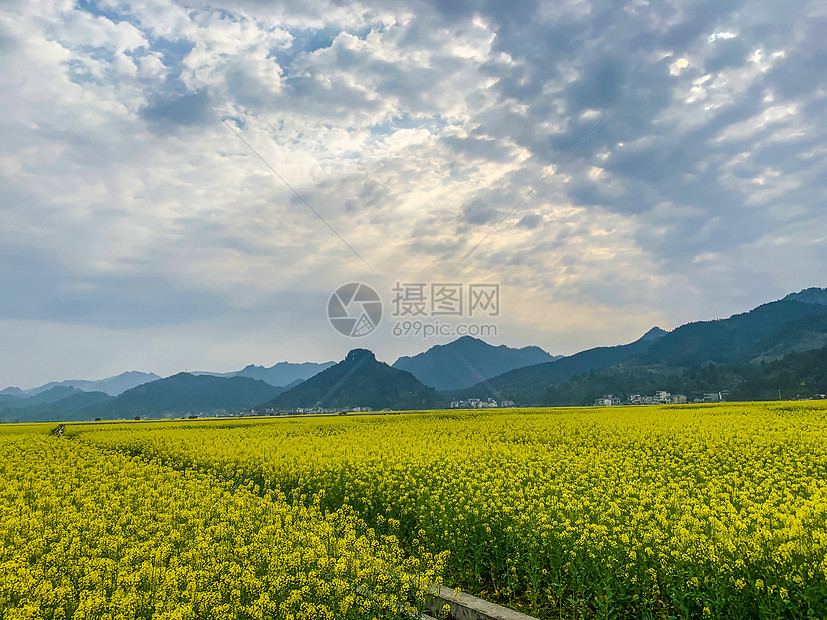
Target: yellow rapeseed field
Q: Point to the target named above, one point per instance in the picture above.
(88, 532)
(689, 511)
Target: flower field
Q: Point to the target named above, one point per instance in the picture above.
(692, 511)
(87, 532)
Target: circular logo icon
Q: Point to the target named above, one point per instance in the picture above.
(354, 310)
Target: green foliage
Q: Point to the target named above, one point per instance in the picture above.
(796, 375)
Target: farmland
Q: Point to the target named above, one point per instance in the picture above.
(696, 511)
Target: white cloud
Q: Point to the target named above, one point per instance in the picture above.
(724, 35)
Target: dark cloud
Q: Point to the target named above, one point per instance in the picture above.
(371, 195)
(479, 212)
(600, 85)
(168, 112)
(7, 43)
(479, 148)
(800, 72)
(727, 53)
(531, 220)
(454, 9)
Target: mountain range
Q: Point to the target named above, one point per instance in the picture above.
(146, 394)
(47, 397)
(111, 385)
(757, 354)
(184, 394)
(281, 374)
(793, 376)
(696, 357)
(57, 407)
(463, 362)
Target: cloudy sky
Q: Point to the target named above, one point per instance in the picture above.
(139, 232)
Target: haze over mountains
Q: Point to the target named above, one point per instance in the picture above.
(111, 385)
(281, 374)
(58, 403)
(44, 400)
(133, 393)
(776, 348)
(444, 366)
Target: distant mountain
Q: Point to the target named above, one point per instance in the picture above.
(185, 394)
(60, 410)
(283, 373)
(111, 385)
(360, 381)
(774, 346)
(50, 395)
(528, 385)
(9, 401)
(442, 366)
(279, 375)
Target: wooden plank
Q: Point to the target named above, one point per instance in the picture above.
(466, 607)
